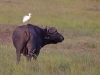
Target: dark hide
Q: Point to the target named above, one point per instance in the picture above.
(28, 39)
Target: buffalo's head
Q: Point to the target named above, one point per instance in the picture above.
(53, 36)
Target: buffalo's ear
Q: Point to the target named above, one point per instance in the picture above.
(47, 28)
(52, 30)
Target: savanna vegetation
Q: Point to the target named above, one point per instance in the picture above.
(77, 20)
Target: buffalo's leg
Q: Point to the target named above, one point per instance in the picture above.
(18, 55)
(30, 54)
(19, 49)
(34, 56)
(36, 53)
(31, 50)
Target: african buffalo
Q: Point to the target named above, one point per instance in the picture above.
(28, 39)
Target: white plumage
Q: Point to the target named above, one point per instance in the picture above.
(26, 18)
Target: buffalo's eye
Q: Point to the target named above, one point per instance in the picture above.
(47, 36)
(51, 35)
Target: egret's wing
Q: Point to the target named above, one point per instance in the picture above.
(24, 17)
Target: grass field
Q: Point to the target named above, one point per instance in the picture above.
(77, 20)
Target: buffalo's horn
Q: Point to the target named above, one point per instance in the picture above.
(47, 27)
(52, 30)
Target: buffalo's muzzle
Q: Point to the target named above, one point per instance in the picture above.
(61, 38)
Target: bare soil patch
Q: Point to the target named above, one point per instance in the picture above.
(4, 37)
(93, 9)
(6, 31)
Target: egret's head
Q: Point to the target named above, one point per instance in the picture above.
(30, 14)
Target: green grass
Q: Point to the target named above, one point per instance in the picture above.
(77, 20)
(50, 62)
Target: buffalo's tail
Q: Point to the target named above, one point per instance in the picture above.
(25, 51)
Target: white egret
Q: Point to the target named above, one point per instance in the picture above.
(26, 18)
